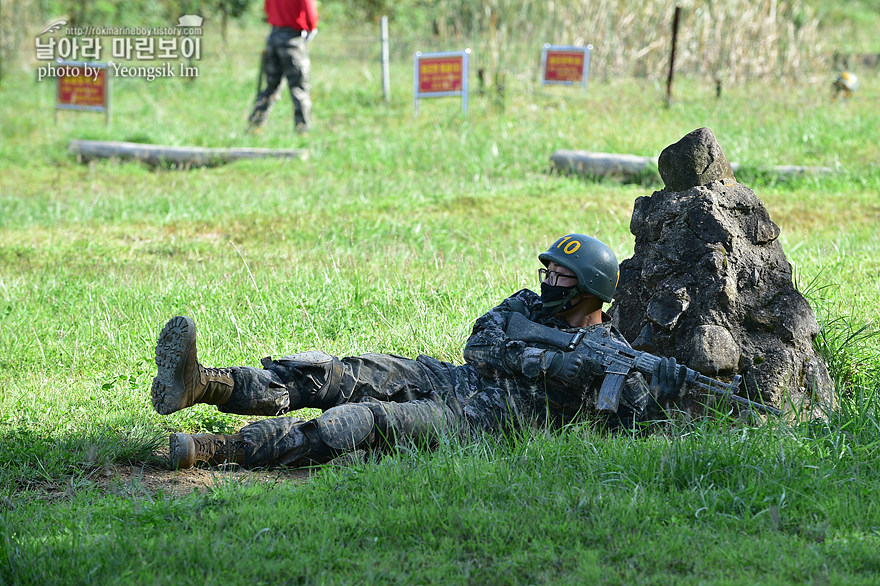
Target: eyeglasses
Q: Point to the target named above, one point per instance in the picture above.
(552, 277)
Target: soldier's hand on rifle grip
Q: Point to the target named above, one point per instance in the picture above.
(666, 384)
(566, 366)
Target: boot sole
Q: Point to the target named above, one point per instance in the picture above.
(172, 352)
(181, 451)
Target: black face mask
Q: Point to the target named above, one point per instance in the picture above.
(556, 298)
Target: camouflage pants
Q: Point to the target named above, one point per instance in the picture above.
(285, 57)
(370, 402)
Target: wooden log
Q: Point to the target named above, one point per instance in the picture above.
(788, 170)
(603, 164)
(632, 166)
(170, 156)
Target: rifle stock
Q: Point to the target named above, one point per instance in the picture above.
(618, 361)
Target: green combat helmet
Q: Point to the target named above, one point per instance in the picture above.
(592, 262)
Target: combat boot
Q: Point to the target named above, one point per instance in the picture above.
(186, 449)
(181, 381)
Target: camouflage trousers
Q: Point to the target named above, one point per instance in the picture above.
(369, 402)
(285, 57)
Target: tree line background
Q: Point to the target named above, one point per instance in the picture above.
(726, 41)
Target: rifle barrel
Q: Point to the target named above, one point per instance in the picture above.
(727, 391)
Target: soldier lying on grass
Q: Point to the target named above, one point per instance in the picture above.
(372, 401)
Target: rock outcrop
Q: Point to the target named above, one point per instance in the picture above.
(709, 283)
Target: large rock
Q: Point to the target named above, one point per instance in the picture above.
(710, 284)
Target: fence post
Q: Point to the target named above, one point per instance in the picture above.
(386, 76)
(672, 55)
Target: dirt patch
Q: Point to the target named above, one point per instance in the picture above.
(154, 480)
(150, 479)
(158, 477)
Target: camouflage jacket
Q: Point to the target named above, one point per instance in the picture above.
(516, 366)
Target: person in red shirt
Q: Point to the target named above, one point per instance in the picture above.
(294, 23)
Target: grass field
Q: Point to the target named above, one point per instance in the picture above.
(393, 236)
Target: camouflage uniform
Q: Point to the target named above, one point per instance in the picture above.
(502, 387)
(286, 55)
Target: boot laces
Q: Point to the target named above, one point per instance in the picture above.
(219, 448)
(216, 373)
(206, 447)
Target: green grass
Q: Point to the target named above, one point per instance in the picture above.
(393, 236)
(702, 504)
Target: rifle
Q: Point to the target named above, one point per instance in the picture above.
(618, 361)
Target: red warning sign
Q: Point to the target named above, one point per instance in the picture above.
(440, 74)
(76, 90)
(564, 66)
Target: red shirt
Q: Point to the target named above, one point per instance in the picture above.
(296, 14)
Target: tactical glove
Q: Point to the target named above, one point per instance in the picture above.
(569, 367)
(666, 384)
